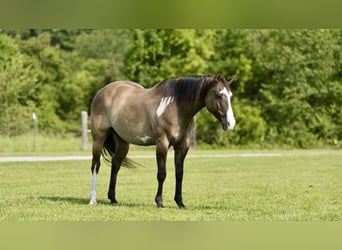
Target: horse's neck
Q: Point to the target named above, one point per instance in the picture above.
(200, 99)
(189, 102)
(198, 103)
(192, 110)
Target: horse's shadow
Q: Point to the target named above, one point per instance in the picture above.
(60, 199)
(104, 202)
(85, 201)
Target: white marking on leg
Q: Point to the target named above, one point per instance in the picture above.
(230, 114)
(163, 104)
(93, 188)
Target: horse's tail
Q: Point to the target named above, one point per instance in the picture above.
(108, 151)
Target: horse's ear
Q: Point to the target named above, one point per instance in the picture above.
(218, 76)
(230, 79)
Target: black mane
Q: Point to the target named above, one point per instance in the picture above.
(185, 89)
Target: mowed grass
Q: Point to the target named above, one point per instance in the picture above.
(302, 186)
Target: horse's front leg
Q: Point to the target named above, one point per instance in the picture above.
(180, 153)
(161, 154)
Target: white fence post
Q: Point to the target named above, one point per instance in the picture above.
(35, 129)
(84, 117)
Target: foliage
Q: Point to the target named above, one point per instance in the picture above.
(292, 78)
(287, 93)
(250, 127)
(158, 54)
(18, 85)
(298, 90)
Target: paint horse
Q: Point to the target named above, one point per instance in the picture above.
(124, 112)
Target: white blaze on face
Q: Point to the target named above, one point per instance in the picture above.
(163, 104)
(230, 114)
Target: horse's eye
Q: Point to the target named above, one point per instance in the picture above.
(218, 95)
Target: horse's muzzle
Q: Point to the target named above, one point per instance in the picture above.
(227, 125)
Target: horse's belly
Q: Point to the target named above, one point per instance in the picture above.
(136, 135)
(138, 139)
(144, 140)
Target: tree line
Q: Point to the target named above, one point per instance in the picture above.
(287, 92)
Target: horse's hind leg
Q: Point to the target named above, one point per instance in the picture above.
(98, 141)
(120, 154)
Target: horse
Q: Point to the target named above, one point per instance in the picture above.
(124, 112)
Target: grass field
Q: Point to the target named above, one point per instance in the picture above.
(299, 185)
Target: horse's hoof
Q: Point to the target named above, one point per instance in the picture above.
(115, 203)
(159, 202)
(180, 204)
(92, 202)
(160, 206)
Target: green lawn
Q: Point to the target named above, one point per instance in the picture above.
(302, 186)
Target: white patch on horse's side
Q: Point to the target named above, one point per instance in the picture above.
(144, 139)
(93, 189)
(163, 104)
(230, 114)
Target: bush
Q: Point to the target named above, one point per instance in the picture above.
(250, 127)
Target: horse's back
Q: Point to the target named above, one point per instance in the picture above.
(106, 95)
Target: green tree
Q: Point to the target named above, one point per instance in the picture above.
(18, 88)
(294, 68)
(159, 54)
(232, 56)
(52, 74)
(287, 90)
(99, 55)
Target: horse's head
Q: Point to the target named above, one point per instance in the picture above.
(218, 101)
